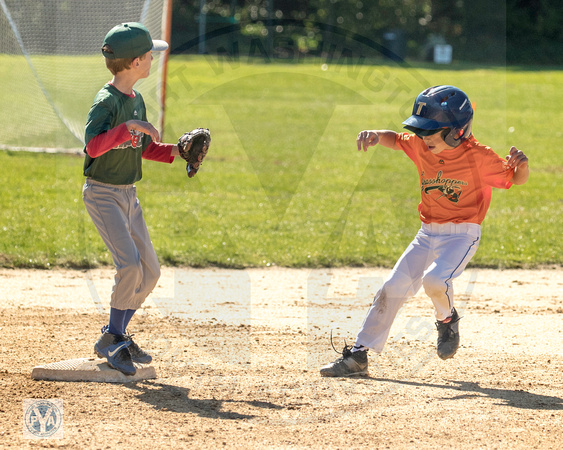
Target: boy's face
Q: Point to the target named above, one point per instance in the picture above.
(435, 143)
(144, 66)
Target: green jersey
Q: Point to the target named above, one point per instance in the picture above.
(122, 164)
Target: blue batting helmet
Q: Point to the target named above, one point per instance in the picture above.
(442, 107)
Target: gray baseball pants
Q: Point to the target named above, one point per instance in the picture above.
(118, 217)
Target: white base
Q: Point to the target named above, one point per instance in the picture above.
(89, 369)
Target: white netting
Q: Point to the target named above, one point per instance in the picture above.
(51, 66)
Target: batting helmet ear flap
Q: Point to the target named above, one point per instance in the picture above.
(445, 132)
(455, 136)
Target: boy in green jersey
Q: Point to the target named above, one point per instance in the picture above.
(117, 138)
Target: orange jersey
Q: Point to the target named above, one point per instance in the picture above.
(455, 185)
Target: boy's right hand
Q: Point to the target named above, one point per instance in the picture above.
(144, 127)
(367, 139)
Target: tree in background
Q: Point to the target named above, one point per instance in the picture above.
(534, 32)
(493, 31)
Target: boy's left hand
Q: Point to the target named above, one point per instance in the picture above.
(144, 127)
(517, 159)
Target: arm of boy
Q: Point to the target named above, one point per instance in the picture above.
(519, 161)
(369, 138)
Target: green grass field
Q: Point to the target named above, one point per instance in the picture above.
(283, 183)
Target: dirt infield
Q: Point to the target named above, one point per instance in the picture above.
(237, 356)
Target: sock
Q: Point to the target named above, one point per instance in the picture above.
(116, 319)
(128, 316)
(359, 348)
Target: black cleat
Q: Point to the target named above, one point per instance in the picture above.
(138, 355)
(448, 336)
(348, 365)
(115, 349)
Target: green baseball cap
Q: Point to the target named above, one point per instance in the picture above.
(130, 40)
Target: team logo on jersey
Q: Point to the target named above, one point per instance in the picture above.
(136, 137)
(135, 141)
(449, 188)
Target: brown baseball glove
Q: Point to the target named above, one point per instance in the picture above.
(193, 147)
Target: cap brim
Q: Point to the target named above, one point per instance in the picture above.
(422, 124)
(422, 132)
(159, 46)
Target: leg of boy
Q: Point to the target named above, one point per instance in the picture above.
(454, 245)
(118, 218)
(110, 209)
(129, 313)
(404, 282)
(148, 258)
(151, 274)
(116, 321)
(454, 249)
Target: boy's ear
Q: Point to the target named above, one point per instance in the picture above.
(134, 63)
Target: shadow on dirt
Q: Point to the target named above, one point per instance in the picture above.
(165, 397)
(516, 398)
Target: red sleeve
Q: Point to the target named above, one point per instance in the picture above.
(156, 151)
(104, 142)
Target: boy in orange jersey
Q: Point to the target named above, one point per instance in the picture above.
(457, 175)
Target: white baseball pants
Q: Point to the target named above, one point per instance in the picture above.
(438, 254)
(117, 215)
